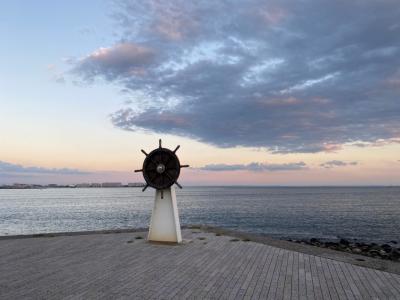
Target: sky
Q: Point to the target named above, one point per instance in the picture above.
(255, 92)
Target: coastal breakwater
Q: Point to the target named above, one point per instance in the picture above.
(390, 250)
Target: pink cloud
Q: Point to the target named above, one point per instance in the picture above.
(321, 100)
(393, 82)
(121, 59)
(281, 102)
(124, 51)
(172, 29)
(171, 22)
(331, 147)
(273, 15)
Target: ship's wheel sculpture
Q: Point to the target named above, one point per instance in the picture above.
(161, 169)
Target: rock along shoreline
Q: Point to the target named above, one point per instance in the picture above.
(389, 251)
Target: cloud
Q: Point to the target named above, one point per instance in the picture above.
(7, 168)
(337, 163)
(377, 143)
(256, 167)
(119, 61)
(288, 76)
(56, 75)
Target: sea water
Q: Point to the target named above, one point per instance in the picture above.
(370, 214)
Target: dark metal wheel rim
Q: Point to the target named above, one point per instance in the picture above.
(161, 168)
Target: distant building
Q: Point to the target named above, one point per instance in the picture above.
(95, 184)
(111, 184)
(135, 184)
(83, 185)
(21, 186)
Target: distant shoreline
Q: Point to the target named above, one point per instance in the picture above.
(19, 186)
(68, 187)
(140, 185)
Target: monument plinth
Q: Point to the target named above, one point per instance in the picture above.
(161, 169)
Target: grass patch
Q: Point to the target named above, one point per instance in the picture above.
(246, 240)
(129, 242)
(194, 227)
(218, 234)
(139, 238)
(234, 240)
(201, 238)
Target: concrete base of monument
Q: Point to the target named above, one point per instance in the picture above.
(165, 226)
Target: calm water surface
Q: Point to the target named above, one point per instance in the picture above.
(369, 214)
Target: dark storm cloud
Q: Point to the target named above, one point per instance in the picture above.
(290, 76)
(338, 163)
(256, 167)
(9, 168)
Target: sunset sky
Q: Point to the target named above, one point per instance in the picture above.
(255, 92)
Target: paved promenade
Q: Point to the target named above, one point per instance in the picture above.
(207, 266)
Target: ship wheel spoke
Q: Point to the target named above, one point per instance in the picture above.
(162, 180)
(153, 177)
(176, 149)
(152, 160)
(169, 176)
(170, 156)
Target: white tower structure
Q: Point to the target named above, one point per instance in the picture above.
(161, 169)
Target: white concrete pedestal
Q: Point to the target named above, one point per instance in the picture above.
(164, 225)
